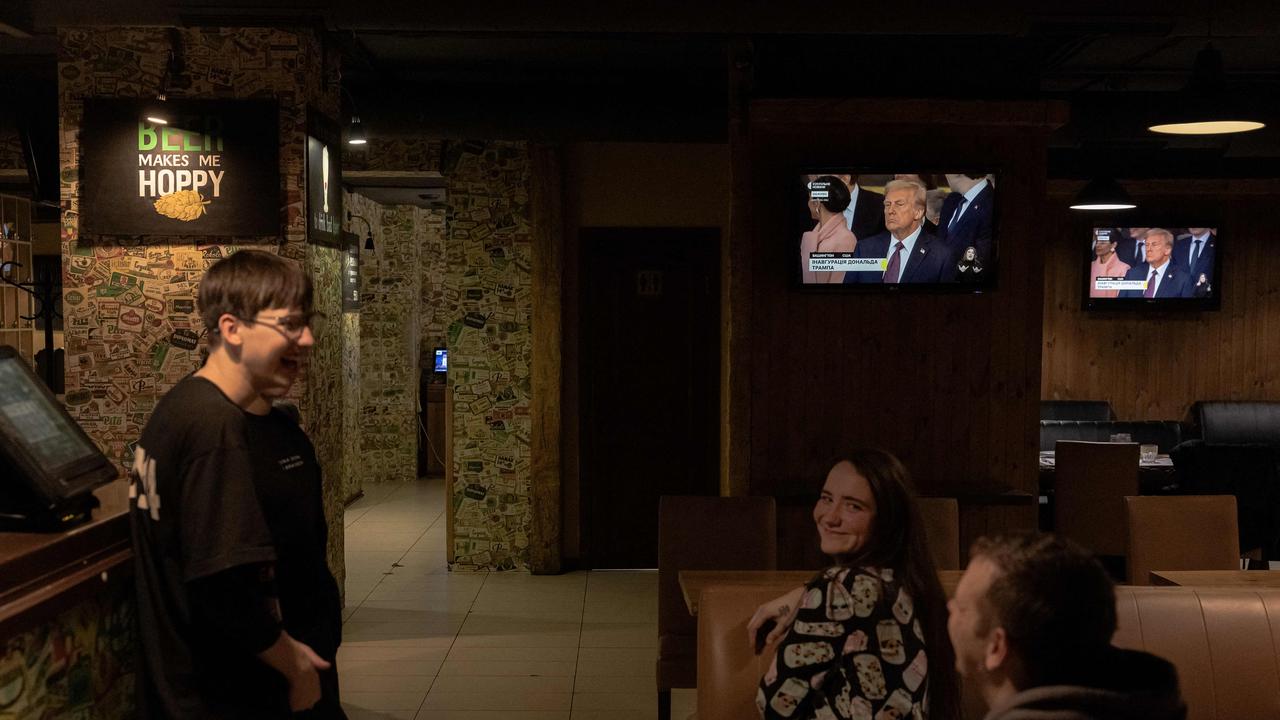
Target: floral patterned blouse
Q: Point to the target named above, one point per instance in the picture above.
(855, 652)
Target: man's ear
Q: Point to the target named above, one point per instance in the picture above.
(229, 327)
(997, 650)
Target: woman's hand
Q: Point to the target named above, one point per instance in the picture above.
(782, 611)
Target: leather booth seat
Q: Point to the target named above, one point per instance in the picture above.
(1099, 410)
(1226, 649)
(1239, 422)
(1164, 433)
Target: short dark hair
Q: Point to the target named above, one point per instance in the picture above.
(1055, 602)
(250, 281)
(837, 193)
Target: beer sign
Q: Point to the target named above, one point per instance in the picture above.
(182, 167)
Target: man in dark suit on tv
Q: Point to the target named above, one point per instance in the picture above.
(1197, 251)
(865, 215)
(965, 218)
(1165, 279)
(911, 254)
(1132, 247)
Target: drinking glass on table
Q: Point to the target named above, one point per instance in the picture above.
(1148, 452)
(1121, 438)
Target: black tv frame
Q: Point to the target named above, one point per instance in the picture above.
(33, 496)
(1152, 305)
(795, 195)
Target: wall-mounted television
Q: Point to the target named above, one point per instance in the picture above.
(441, 364)
(879, 231)
(1156, 266)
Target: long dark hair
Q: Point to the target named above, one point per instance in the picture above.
(898, 541)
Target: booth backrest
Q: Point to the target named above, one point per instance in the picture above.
(1164, 433)
(1226, 649)
(1239, 422)
(1076, 410)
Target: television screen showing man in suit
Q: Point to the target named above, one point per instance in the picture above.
(1153, 263)
(899, 229)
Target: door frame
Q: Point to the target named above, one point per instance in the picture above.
(713, 236)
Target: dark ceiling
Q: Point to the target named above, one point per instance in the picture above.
(659, 71)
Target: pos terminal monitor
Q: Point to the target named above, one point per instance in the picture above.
(48, 465)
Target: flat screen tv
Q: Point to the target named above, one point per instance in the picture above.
(441, 361)
(46, 460)
(874, 231)
(1160, 266)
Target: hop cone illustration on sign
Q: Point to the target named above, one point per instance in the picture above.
(184, 205)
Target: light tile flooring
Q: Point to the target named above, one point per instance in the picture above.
(422, 643)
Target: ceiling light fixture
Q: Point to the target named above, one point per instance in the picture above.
(356, 134)
(1103, 193)
(1203, 107)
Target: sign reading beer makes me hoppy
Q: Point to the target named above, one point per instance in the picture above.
(214, 169)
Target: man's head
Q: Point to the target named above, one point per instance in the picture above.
(257, 311)
(1159, 246)
(964, 182)
(1199, 231)
(1138, 233)
(904, 206)
(1029, 611)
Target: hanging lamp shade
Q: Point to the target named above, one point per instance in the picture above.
(1204, 107)
(1103, 193)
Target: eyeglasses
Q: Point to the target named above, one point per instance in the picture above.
(291, 325)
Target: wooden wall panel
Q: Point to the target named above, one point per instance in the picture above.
(1154, 366)
(948, 382)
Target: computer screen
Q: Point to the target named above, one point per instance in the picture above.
(41, 441)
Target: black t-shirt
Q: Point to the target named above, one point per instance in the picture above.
(194, 514)
(290, 493)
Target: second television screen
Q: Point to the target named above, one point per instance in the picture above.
(927, 229)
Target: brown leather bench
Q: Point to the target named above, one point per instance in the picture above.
(1226, 648)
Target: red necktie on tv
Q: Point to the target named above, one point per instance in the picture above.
(891, 270)
(1151, 286)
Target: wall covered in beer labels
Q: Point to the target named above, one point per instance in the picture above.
(80, 665)
(388, 341)
(437, 307)
(131, 325)
(489, 248)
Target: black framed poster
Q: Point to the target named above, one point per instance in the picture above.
(212, 169)
(324, 181)
(350, 272)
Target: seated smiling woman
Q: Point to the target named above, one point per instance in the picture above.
(867, 637)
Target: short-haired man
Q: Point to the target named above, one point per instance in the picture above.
(208, 588)
(1031, 622)
(911, 253)
(1165, 279)
(965, 218)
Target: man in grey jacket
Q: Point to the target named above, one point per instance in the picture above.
(1031, 622)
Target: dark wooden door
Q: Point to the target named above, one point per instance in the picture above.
(650, 383)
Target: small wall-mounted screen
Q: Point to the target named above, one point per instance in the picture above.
(1152, 266)
(442, 360)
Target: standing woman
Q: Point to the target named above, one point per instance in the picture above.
(867, 637)
(830, 234)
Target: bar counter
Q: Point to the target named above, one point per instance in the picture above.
(43, 574)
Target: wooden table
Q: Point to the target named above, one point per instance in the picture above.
(1155, 477)
(1217, 578)
(693, 582)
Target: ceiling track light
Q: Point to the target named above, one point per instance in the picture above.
(1103, 193)
(1204, 107)
(356, 134)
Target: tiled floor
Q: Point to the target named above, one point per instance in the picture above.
(421, 642)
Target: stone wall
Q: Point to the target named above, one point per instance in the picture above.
(118, 367)
(490, 346)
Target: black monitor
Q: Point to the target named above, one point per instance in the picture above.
(48, 461)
